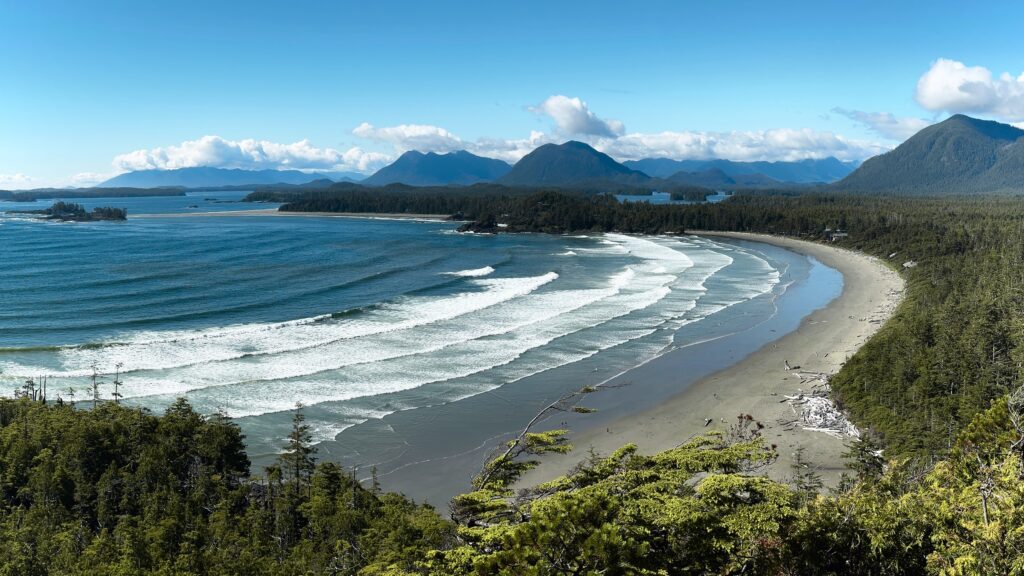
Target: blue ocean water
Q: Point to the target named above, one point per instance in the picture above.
(356, 319)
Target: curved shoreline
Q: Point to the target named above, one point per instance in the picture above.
(758, 383)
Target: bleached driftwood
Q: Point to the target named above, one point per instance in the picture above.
(818, 413)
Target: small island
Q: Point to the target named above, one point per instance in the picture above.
(71, 212)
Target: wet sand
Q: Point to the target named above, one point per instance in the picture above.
(757, 384)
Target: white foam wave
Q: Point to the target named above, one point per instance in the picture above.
(167, 350)
(476, 272)
(411, 371)
(632, 289)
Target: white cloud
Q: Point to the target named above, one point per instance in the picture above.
(18, 180)
(885, 123)
(427, 138)
(573, 118)
(511, 150)
(785, 144)
(954, 87)
(404, 137)
(360, 160)
(249, 155)
(86, 179)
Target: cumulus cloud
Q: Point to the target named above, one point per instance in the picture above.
(573, 118)
(885, 123)
(427, 138)
(511, 149)
(360, 160)
(249, 155)
(403, 137)
(951, 86)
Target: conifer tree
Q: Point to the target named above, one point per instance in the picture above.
(299, 460)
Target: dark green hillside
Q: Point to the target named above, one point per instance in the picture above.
(418, 169)
(572, 164)
(115, 491)
(961, 155)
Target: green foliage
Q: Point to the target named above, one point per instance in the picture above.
(121, 491)
(489, 502)
(697, 509)
(691, 193)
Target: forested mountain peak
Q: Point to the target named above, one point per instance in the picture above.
(569, 164)
(958, 155)
(431, 169)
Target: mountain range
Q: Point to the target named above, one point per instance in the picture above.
(719, 179)
(430, 169)
(801, 171)
(958, 155)
(204, 176)
(578, 165)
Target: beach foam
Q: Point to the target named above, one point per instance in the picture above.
(472, 273)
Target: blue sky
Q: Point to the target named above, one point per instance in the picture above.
(93, 88)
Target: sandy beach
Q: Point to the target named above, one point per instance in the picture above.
(759, 384)
(276, 212)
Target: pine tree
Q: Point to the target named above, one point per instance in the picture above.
(299, 460)
(806, 479)
(864, 456)
(117, 383)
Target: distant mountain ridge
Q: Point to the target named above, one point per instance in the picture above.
(716, 178)
(431, 169)
(205, 176)
(571, 164)
(958, 155)
(801, 171)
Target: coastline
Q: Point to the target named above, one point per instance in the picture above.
(758, 384)
(276, 212)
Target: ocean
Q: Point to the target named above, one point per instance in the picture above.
(386, 331)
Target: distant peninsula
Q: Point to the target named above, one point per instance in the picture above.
(69, 193)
